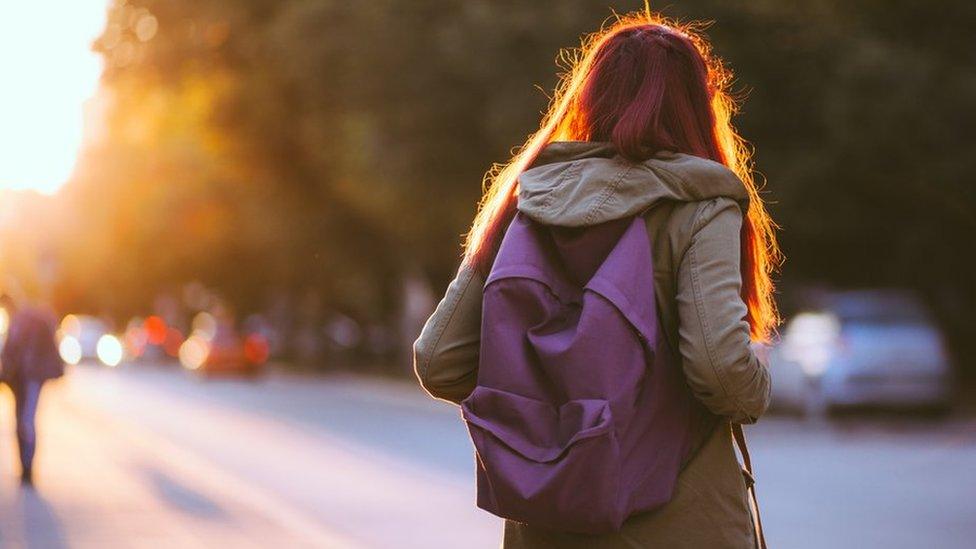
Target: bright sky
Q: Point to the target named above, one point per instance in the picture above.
(47, 71)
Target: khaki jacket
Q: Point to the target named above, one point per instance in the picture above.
(693, 209)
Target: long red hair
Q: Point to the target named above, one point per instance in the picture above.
(646, 84)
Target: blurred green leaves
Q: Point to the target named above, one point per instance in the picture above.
(336, 145)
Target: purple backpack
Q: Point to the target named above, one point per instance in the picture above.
(581, 416)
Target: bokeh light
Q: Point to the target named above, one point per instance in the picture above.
(155, 330)
(205, 325)
(109, 350)
(135, 339)
(70, 350)
(71, 326)
(810, 339)
(194, 352)
(256, 348)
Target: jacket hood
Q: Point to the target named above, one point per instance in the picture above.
(582, 183)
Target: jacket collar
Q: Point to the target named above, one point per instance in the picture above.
(581, 183)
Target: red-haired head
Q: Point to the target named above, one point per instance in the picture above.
(645, 84)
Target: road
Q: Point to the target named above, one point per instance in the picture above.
(152, 457)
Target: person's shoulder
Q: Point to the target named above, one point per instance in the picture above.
(35, 316)
(681, 221)
(718, 210)
(698, 212)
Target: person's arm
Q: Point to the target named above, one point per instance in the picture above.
(446, 353)
(13, 347)
(719, 363)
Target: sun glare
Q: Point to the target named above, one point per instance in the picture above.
(48, 71)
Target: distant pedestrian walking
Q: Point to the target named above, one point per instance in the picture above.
(29, 358)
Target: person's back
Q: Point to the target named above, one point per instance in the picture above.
(30, 351)
(29, 358)
(700, 216)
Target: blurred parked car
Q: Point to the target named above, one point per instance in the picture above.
(215, 348)
(878, 348)
(152, 339)
(87, 338)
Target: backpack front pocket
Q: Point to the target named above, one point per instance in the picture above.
(552, 466)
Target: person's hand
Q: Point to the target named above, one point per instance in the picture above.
(761, 350)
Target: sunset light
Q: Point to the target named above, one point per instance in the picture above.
(48, 72)
(430, 273)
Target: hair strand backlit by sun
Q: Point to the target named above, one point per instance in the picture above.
(638, 127)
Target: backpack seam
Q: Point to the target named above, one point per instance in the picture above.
(550, 290)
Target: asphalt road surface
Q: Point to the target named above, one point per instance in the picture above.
(152, 457)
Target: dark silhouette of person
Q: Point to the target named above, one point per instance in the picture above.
(29, 358)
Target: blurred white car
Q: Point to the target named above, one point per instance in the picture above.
(87, 338)
(862, 348)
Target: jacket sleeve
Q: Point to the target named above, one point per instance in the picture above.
(446, 353)
(713, 335)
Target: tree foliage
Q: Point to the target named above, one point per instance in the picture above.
(258, 144)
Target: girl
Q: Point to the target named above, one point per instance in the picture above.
(641, 126)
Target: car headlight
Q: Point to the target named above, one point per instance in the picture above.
(109, 350)
(70, 349)
(194, 352)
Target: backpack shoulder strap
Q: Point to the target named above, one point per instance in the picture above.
(740, 441)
